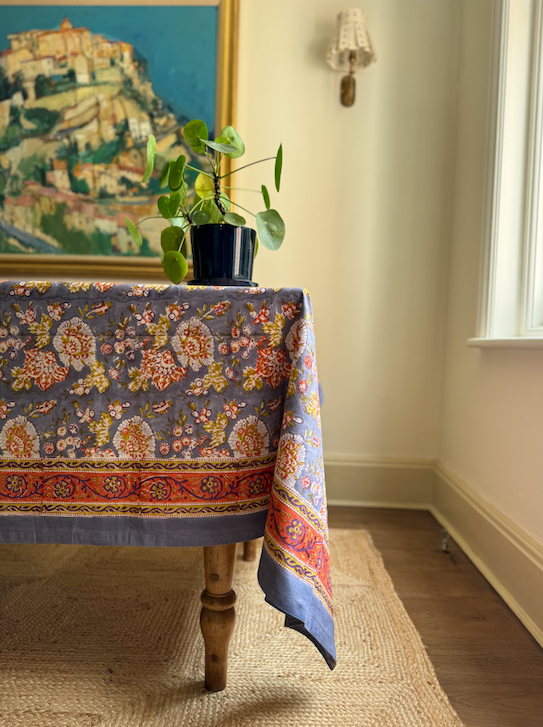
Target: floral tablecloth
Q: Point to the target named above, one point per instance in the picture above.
(168, 415)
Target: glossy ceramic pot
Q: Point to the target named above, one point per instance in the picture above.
(222, 255)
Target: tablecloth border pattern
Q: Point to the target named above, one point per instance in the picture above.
(158, 488)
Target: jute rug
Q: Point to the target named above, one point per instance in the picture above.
(109, 637)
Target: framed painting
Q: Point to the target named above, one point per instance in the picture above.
(82, 86)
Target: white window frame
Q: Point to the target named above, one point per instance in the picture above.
(511, 302)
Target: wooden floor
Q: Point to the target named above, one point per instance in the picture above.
(486, 661)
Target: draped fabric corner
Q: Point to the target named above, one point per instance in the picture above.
(168, 415)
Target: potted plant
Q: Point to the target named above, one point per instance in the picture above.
(223, 247)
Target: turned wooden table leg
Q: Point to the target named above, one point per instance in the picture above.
(249, 550)
(217, 616)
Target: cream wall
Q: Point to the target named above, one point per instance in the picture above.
(387, 235)
(366, 200)
(492, 422)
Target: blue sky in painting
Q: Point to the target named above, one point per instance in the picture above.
(178, 42)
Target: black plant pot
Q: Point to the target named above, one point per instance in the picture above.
(222, 255)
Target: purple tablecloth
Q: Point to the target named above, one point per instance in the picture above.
(168, 415)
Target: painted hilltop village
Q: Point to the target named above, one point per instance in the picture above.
(76, 111)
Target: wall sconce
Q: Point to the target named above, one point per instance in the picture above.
(350, 47)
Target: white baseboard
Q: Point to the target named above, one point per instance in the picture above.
(509, 558)
(378, 482)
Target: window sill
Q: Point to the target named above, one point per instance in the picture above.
(515, 342)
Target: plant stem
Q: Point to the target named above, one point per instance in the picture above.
(242, 189)
(188, 218)
(222, 209)
(198, 204)
(152, 217)
(245, 167)
(244, 209)
(200, 171)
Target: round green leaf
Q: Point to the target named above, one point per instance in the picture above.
(175, 266)
(165, 175)
(176, 174)
(175, 201)
(171, 238)
(151, 152)
(278, 168)
(222, 140)
(163, 204)
(200, 217)
(271, 229)
(266, 196)
(204, 186)
(233, 219)
(193, 133)
(183, 189)
(223, 148)
(234, 139)
(135, 234)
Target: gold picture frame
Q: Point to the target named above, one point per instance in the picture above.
(131, 268)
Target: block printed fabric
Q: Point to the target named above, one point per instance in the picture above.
(168, 415)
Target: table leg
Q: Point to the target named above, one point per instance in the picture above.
(218, 615)
(249, 550)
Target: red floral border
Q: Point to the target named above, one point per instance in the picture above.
(155, 488)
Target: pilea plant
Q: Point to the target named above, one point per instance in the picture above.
(211, 203)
